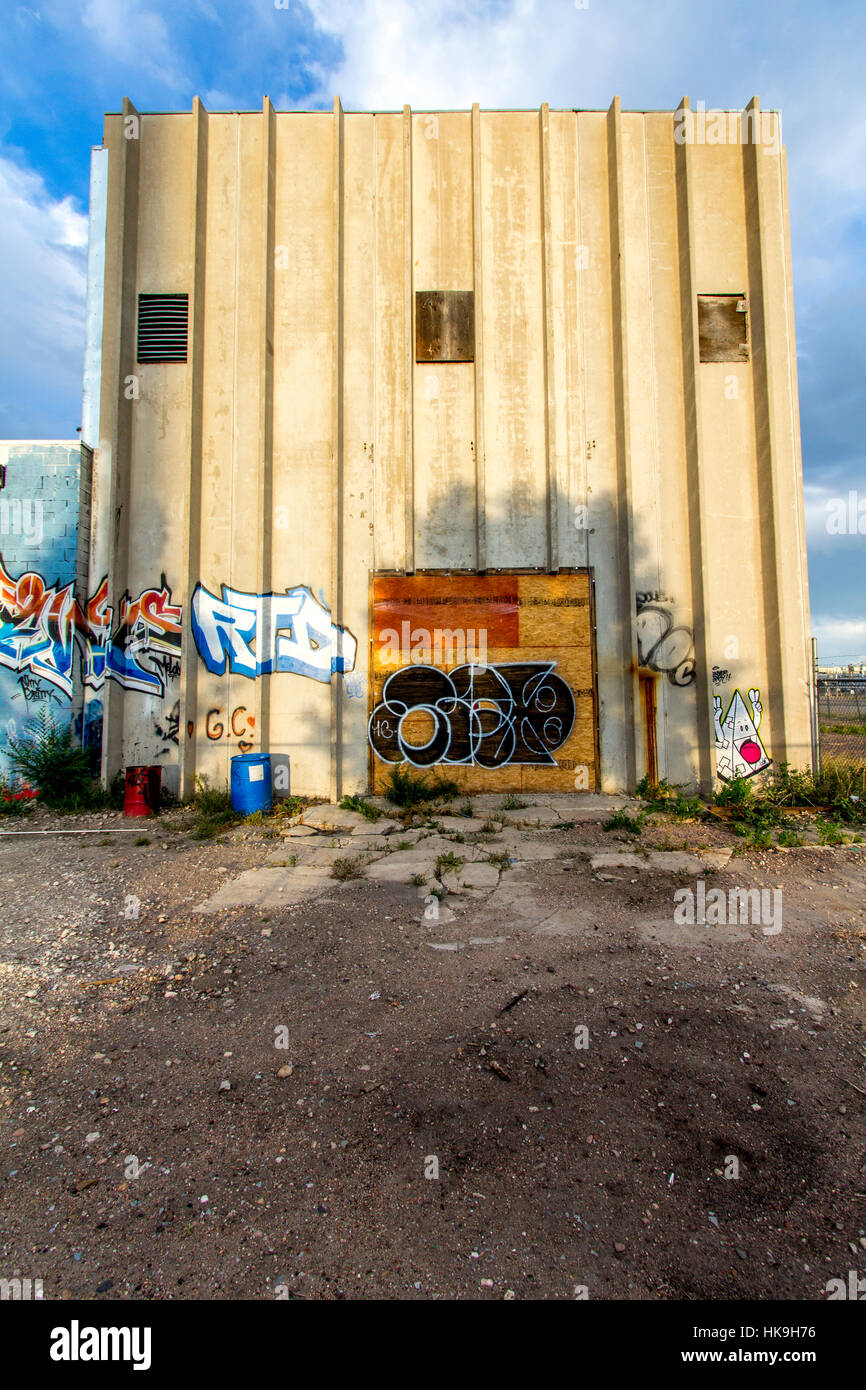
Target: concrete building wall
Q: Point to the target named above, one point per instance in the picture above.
(44, 494)
(302, 450)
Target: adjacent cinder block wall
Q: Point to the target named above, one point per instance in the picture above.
(42, 491)
(303, 447)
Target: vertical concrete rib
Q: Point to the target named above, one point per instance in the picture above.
(336, 488)
(694, 472)
(624, 497)
(478, 366)
(264, 539)
(191, 503)
(409, 313)
(117, 407)
(777, 438)
(547, 317)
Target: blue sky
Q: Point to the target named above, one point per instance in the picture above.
(63, 63)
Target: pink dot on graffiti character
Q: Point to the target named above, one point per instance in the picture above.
(750, 750)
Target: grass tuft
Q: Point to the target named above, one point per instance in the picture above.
(347, 868)
(621, 820)
(360, 804)
(408, 791)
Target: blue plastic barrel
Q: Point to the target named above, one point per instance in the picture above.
(251, 785)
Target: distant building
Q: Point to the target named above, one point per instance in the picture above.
(375, 390)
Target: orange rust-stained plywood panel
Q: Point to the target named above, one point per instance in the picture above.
(427, 602)
(490, 680)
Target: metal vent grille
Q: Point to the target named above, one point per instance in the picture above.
(162, 327)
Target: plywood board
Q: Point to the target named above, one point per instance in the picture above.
(486, 679)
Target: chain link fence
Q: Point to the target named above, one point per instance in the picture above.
(841, 703)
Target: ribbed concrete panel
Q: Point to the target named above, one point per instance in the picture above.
(302, 450)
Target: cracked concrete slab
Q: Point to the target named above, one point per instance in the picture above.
(321, 856)
(524, 847)
(536, 817)
(478, 875)
(663, 861)
(330, 817)
(460, 825)
(402, 866)
(385, 826)
(568, 922)
(512, 901)
(268, 888)
(441, 914)
(568, 805)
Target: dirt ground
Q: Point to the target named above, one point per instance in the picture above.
(253, 1102)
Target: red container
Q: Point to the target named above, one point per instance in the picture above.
(141, 791)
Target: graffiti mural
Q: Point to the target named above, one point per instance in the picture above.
(662, 645)
(490, 676)
(739, 750)
(262, 634)
(514, 712)
(42, 628)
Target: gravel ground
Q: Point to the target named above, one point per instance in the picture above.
(255, 1103)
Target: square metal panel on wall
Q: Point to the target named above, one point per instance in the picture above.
(445, 326)
(723, 331)
(488, 680)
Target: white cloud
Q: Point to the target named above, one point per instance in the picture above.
(823, 504)
(519, 53)
(137, 37)
(42, 285)
(447, 54)
(840, 640)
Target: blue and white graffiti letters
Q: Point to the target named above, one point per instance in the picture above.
(262, 634)
(508, 713)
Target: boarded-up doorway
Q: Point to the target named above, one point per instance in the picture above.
(486, 679)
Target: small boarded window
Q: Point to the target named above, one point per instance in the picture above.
(445, 326)
(723, 328)
(162, 327)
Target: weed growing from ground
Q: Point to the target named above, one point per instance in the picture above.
(408, 791)
(347, 868)
(48, 758)
(447, 861)
(212, 808)
(621, 820)
(362, 806)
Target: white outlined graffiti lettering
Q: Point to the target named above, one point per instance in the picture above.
(262, 634)
(516, 712)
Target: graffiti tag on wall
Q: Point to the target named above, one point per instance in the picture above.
(166, 726)
(241, 726)
(42, 627)
(739, 750)
(516, 712)
(662, 645)
(262, 634)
